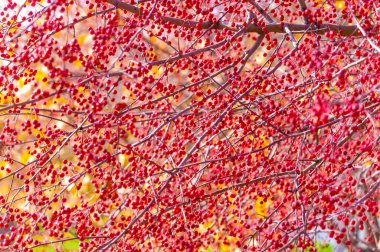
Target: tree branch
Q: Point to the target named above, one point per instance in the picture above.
(303, 8)
(345, 30)
(261, 11)
(361, 29)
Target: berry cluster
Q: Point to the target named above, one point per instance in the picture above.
(189, 125)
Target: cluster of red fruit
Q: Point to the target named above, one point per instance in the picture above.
(189, 125)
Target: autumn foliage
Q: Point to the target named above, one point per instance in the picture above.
(189, 125)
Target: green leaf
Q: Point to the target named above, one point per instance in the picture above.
(73, 232)
(46, 248)
(321, 247)
(40, 228)
(71, 245)
(324, 247)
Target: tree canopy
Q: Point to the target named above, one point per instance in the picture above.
(189, 125)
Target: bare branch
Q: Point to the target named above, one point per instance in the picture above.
(261, 11)
(364, 32)
(303, 8)
(345, 30)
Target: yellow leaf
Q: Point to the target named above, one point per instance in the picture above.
(24, 157)
(261, 207)
(77, 63)
(153, 39)
(103, 219)
(93, 199)
(156, 71)
(266, 141)
(81, 39)
(42, 72)
(4, 100)
(123, 159)
(340, 5)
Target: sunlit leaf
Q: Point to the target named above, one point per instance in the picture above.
(71, 245)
